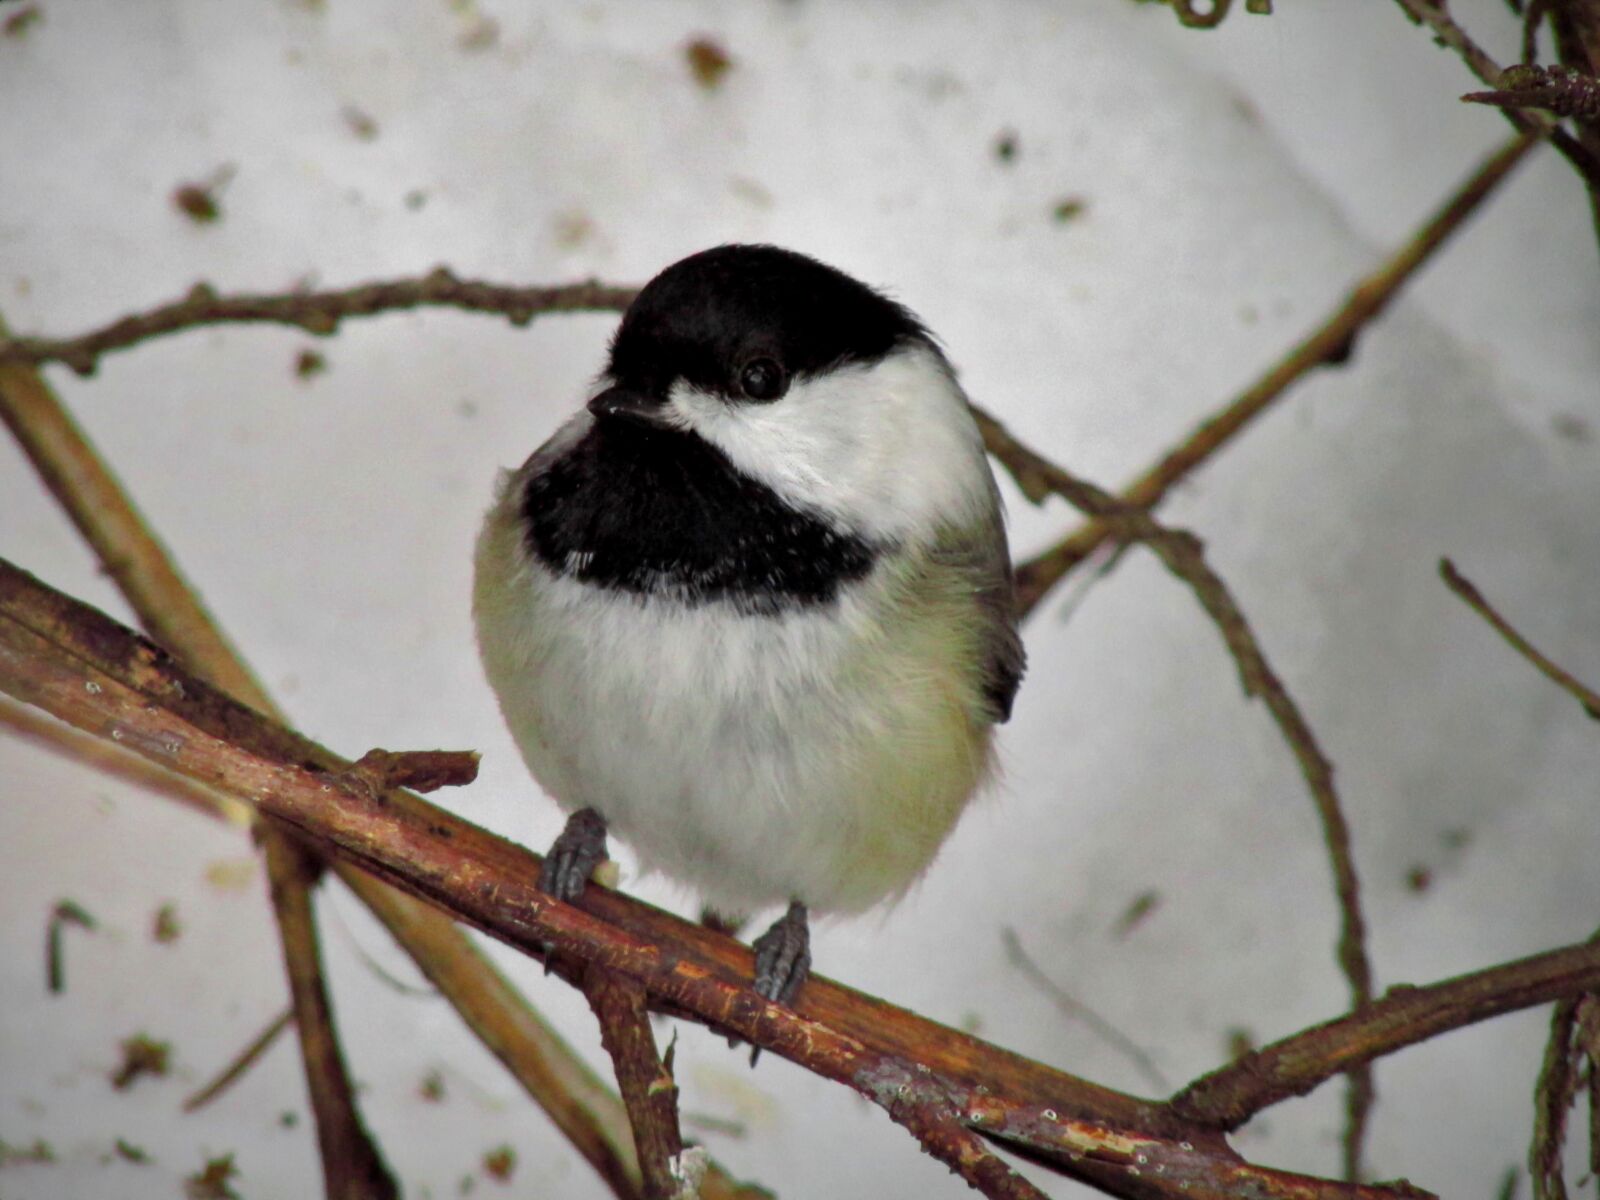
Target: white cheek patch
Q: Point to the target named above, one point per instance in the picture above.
(889, 450)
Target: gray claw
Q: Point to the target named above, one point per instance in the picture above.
(580, 848)
(783, 956)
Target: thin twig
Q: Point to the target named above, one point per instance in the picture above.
(1463, 587)
(1019, 957)
(353, 1168)
(51, 647)
(241, 1063)
(1436, 17)
(943, 1135)
(1563, 91)
(1589, 1042)
(1536, 12)
(1554, 1095)
(1553, 1099)
(318, 313)
(1330, 343)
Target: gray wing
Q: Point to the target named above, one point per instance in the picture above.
(981, 557)
(1005, 660)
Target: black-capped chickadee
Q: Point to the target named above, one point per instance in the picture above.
(752, 608)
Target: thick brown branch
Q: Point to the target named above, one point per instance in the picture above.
(1330, 343)
(139, 565)
(84, 668)
(318, 313)
(1405, 1016)
(1463, 587)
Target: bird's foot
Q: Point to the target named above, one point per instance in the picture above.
(580, 848)
(783, 956)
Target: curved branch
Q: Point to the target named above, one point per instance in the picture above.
(1405, 1016)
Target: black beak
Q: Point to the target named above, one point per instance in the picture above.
(630, 405)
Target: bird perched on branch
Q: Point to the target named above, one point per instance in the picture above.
(751, 608)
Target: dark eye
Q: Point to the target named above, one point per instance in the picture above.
(763, 379)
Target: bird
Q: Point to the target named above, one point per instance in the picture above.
(751, 607)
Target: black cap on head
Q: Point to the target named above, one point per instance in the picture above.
(724, 318)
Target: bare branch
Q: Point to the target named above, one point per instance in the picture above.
(352, 1165)
(1557, 1090)
(419, 770)
(1403, 1017)
(1552, 1101)
(647, 1087)
(241, 1063)
(1436, 17)
(318, 313)
(1463, 587)
(1182, 553)
(1331, 343)
(1563, 91)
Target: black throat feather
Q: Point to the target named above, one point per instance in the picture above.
(659, 512)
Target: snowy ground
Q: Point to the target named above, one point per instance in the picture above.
(1233, 184)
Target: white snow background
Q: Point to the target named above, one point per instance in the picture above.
(1236, 183)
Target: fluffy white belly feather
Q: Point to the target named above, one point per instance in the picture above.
(819, 756)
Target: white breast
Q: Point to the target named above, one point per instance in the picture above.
(819, 755)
